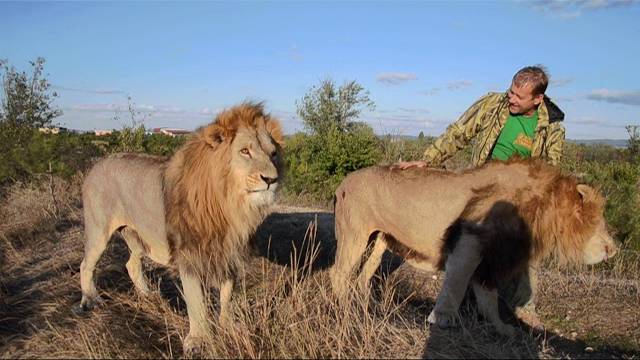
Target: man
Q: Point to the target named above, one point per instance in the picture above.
(521, 122)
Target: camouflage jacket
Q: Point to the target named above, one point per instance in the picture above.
(483, 122)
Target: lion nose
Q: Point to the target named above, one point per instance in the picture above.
(268, 180)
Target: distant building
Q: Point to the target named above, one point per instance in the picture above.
(171, 131)
(102, 132)
(52, 130)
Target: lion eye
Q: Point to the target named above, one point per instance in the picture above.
(244, 151)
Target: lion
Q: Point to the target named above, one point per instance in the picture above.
(194, 211)
(483, 226)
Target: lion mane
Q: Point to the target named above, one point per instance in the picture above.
(483, 226)
(209, 224)
(194, 211)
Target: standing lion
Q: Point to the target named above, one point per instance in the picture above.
(482, 226)
(194, 211)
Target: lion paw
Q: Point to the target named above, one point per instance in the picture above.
(530, 318)
(86, 304)
(193, 346)
(443, 319)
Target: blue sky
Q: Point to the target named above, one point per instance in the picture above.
(423, 63)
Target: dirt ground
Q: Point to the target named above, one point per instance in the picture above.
(586, 314)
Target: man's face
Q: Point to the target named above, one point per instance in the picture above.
(522, 101)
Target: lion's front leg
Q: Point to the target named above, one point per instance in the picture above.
(460, 266)
(197, 310)
(226, 290)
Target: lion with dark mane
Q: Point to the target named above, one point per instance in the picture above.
(194, 211)
(482, 226)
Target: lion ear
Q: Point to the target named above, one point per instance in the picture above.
(275, 130)
(583, 190)
(214, 135)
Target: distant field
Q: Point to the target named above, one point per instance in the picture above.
(616, 143)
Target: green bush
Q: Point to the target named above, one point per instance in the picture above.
(316, 164)
(160, 144)
(619, 183)
(395, 149)
(66, 153)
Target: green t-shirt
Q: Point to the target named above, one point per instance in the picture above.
(516, 137)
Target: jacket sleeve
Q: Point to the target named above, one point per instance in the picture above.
(554, 143)
(457, 134)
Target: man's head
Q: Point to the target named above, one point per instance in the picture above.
(527, 90)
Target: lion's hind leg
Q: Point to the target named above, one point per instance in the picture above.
(134, 264)
(373, 262)
(488, 306)
(348, 257)
(96, 239)
(459, 267)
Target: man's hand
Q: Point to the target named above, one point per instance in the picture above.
(403, 165)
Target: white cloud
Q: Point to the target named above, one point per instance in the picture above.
(459, 84)
(559, 99)
(588, 120)
(89, 91)
(414, 111)
(570, 9)
(560, 82)
(619, 97)
(431, 92)
(155, 109)
(395, 78)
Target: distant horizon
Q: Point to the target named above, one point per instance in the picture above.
(302, 131)
(423, 63)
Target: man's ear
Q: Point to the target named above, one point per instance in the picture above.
(537, 99)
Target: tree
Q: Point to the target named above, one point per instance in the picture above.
(337, 143)
(325, 107)
(27, 99)
(634, 141)
(26, 104)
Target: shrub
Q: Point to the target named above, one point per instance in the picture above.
(66, 153)
(317, 164)
(619, 183)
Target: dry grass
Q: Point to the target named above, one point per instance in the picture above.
(283, 306)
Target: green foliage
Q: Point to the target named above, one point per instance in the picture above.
(26, 105)
(336, 144)
(26, 99)
(129, 139)
(620, 184)
(395, 149)
(634, 142)
(66, 153)
(317, 164)
(160, 144)
(324, 107)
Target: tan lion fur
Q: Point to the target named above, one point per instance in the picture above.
(483, 226)
(194, 211)
(209, 237)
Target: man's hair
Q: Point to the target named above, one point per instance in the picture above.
(534, 75)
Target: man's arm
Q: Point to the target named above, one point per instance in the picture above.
(554, 143)
(460, 132)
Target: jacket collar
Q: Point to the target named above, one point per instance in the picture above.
(555, 114)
